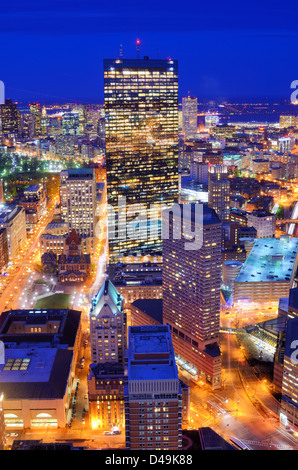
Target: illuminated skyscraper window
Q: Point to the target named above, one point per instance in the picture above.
(141, 127)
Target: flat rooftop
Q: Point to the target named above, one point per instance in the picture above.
(270, 260)
(151, 354)
(35, 373)
(69, 322)
(78, 173)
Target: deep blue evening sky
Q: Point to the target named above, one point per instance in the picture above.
(54, 50)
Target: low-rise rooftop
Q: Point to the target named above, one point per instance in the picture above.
(270, 260)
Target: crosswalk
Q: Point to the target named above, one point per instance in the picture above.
(268, 445)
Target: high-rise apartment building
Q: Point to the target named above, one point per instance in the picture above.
(107, 326)
(27, 125)
(35, 109)
(141, 133)
(78, 204)
(219, 191)
(82, 111)
(153, 395)
(199, 172)
(191, 290)
(44, 121)
(10, 117)
(189, 117)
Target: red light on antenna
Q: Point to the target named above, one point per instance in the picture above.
(138, 41)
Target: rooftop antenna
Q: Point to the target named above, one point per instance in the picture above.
(121, 51)
(138, 48)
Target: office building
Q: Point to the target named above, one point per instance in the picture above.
(263, 222)
(107, 326)
(153, 395)
(289, 392)
(53, 239)
(35, 109)
(44, 122)
(219, 191)
(189, 117)
(141, 134)
(27, 125)
(38, 374)
(136, 281)
(78, 204)
(34, 201)
(82, 112)
(106, 396)
(13, 218)
(238, 215)
(106, 373)
(287, 309)
(191, 293)
(70, 124)
(4, 254)
(199, 172)
(260, 166)
(10, 117)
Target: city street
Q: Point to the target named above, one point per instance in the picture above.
(244, 408)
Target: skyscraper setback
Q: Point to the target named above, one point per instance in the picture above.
(141, 131)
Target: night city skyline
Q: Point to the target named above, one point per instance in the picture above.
(148, 228)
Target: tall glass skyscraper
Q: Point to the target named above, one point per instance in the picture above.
(141, 131)
(189, 117)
